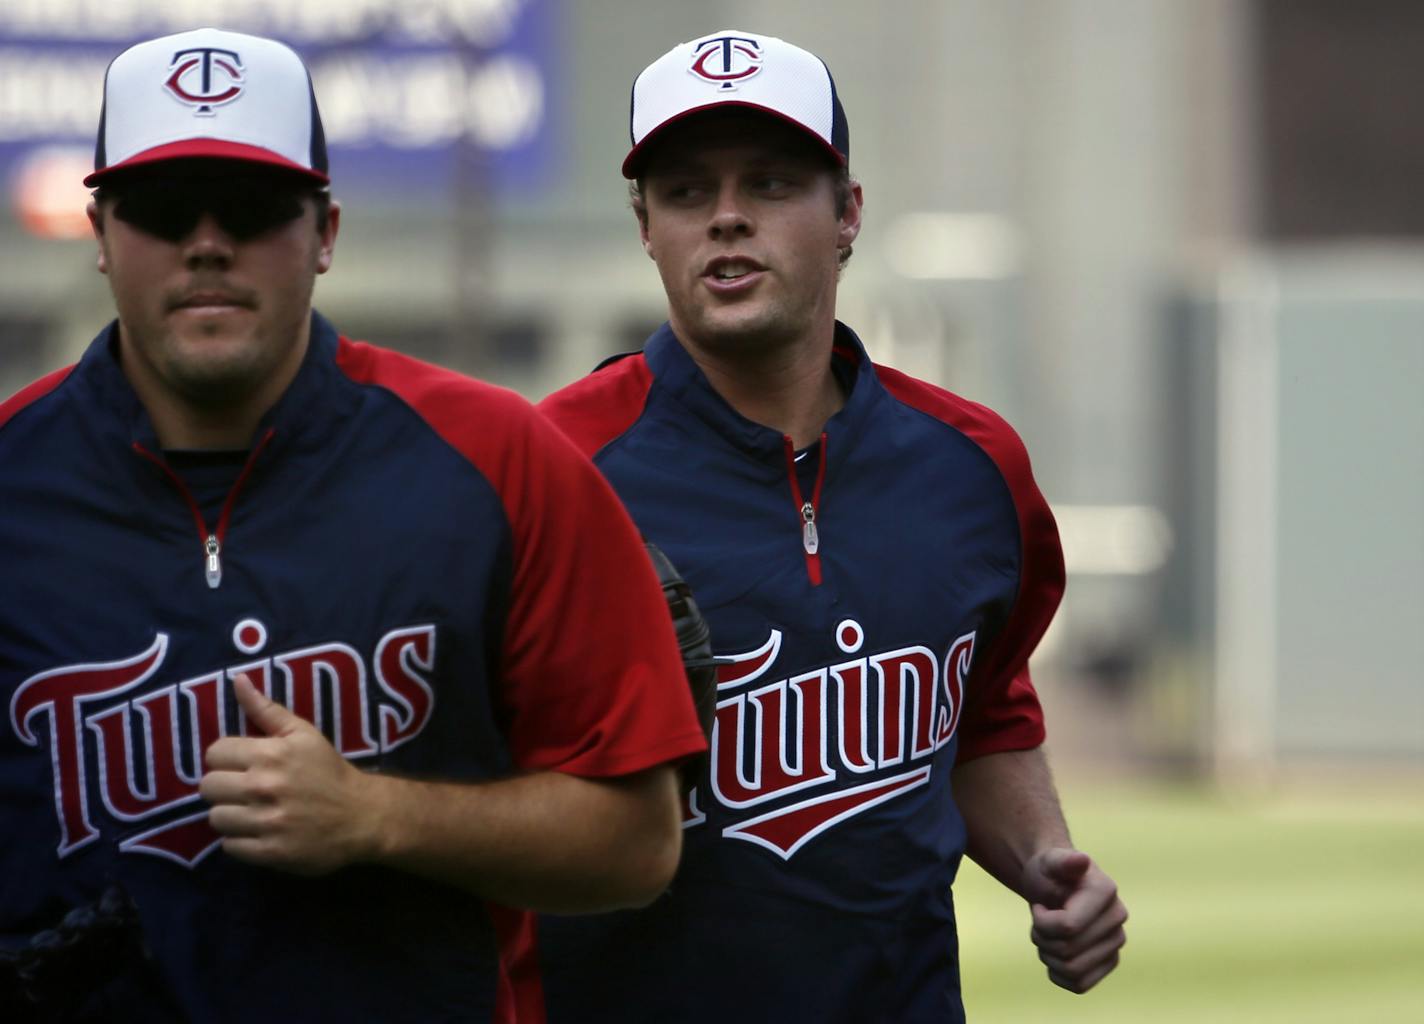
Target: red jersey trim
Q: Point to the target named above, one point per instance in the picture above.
(621, 393)
(520, 996)
(576, 698)
(32, 393)
(1002, 711)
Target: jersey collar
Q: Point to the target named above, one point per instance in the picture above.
(676, 372)
(313, 402)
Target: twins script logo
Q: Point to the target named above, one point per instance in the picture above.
(194, 80)
(148, 750)
(849, 736)
(732, 59)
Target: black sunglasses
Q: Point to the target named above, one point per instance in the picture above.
(243, 207)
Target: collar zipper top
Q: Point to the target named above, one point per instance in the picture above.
(806, 510)
(212, 540)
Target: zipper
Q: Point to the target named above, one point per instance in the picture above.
(212, 540)
(212, 569)
(806, 510)
(810, 539)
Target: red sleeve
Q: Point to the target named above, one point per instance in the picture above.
(32, 393)
(1001, 710)
(595, 409)
(591, 676)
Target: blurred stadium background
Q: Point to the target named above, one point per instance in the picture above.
(1179, 243)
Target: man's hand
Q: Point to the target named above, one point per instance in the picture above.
(286, 799)
(1077, 917)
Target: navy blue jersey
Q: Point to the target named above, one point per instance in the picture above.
(878, 596)
(414, 561)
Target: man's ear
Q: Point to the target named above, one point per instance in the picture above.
(850, 217)
(642, 214)
(96, 224)
(327, 248)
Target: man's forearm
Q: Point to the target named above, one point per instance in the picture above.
(542, 841)
(545, 841)
(1011, 811)
(1017, 833)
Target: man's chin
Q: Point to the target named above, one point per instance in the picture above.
(740, 330)
(213, 376)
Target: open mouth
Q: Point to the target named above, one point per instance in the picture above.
(731, 270)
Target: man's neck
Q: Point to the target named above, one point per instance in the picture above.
(181, 423)
(791, 389)
(183, 427)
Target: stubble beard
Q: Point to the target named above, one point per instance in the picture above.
(739, 329)
(760, 330)
(220, 383)
(213, 383)
(210, 369)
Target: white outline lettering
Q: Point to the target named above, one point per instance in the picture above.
(397, 728)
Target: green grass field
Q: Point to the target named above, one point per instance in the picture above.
(1301, 908)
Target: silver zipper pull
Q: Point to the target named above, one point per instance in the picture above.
(810, 540)
(214, 565)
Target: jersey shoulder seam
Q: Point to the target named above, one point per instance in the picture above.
(591, 391)
(33, 394)
(897, 390)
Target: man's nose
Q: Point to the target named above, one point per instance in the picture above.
(208, 244)
(731, 217)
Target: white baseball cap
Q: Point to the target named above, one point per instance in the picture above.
(730, 68)
(209, 93)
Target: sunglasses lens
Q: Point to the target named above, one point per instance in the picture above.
(243, 208)
(247, 212)
(165, 215)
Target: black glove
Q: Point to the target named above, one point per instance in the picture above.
(91, 966)
(695, 641)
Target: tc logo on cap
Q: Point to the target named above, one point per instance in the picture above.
(726, 60)
(205, 79)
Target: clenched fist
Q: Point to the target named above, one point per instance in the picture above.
(287, 799)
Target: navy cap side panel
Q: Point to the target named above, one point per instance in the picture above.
(318, 134)
(840, 127)
(100, 156)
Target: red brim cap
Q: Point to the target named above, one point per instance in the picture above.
(209, 94)
(214, 149)
(632, 163)
(737, 69)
